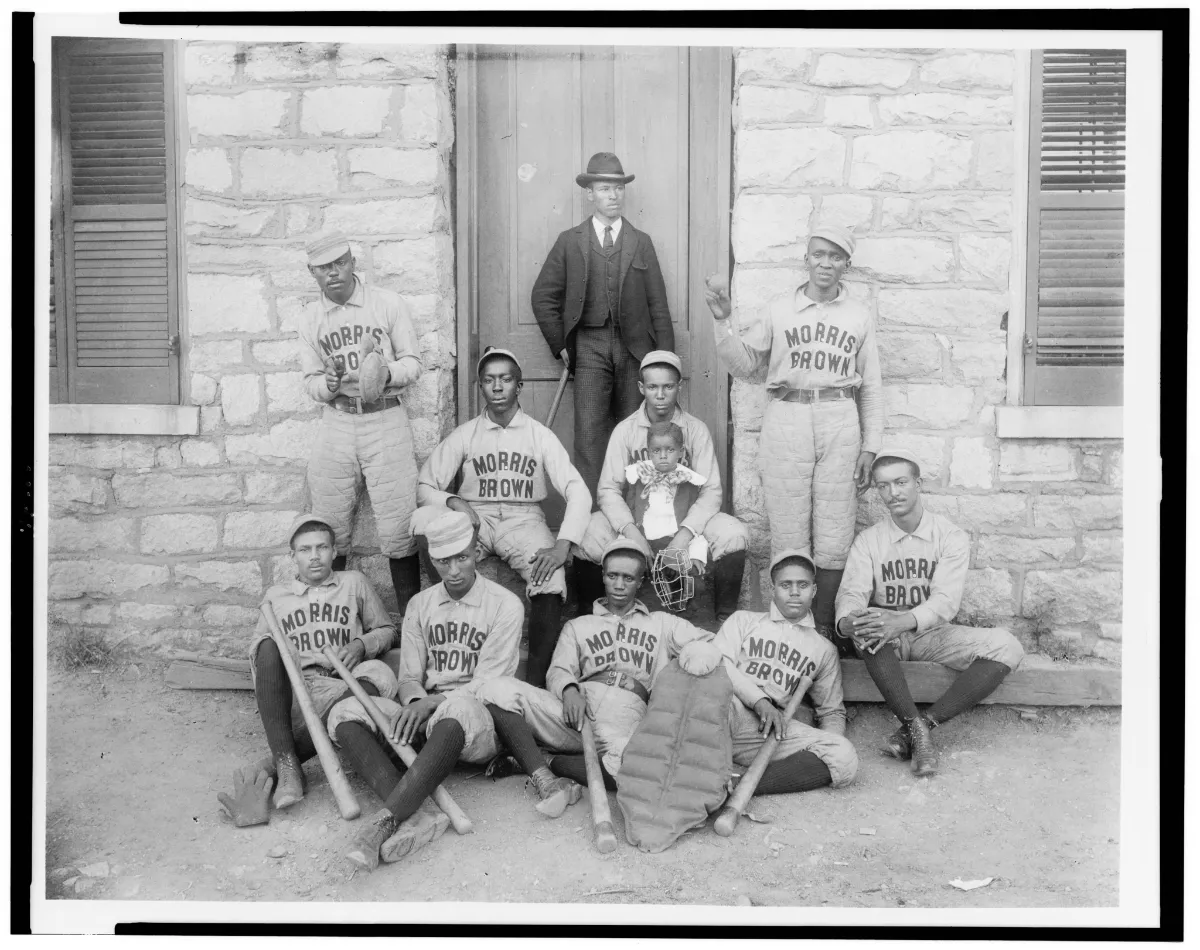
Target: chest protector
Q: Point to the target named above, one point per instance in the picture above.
(676, 766)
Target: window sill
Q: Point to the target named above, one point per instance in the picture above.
(78, 419)
(1059, 422)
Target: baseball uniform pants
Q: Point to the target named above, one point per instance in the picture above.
(724, 534)
(958, 647)
(375, 448)
(614, 712)
(606, 391)
(480, 747)
(514, 532)
(835, 751)
(807, 455)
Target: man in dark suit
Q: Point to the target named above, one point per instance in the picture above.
(602, 305)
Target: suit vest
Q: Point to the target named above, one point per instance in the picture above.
(602, 298)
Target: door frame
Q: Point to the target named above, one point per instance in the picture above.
(710, 74)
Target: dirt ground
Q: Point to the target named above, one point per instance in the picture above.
(134, 769)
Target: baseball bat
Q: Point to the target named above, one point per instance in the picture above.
(732, 810)
(458, 818)
(347, 803)
(562, 386)
(606, 841)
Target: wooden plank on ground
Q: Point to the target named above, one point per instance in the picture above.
(1066, 686)
(183, 674)
(239, 664)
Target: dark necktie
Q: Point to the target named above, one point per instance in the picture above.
(608, 236)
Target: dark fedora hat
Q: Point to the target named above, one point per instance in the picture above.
(603, 166)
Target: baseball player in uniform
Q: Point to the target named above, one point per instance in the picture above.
(824, 415)
(320, 608)
(603, 668)
(661, 373)
(456, 636)
(359, 353)
(903, 585)
(506, 461)
(768, 656)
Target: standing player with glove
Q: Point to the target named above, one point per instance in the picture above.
(359, 353)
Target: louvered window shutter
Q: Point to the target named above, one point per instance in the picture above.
(1076, 295)
(119, 292)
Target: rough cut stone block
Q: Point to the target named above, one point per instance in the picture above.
(917, 260)
(147, 615)
(83, 534)
(362, 61)
(849, 112)
(1110, 631)
(1091, 466)
(789, 158)
(424, 264)
(175, 491)
(275, 62)
(928, 406)
(178, 534)
(393, 216)
(200, 453)
(943, 108)
(167, 456)
(910, 161)
(260, 113)
(286, 393)
(285, 266)
(243, 576)
(101, 452)
(1062, 642)
(214, 217)
(229, 615)
(970, 71)
(768, 64)
(987, 597)
(965, 213)
(971, 463)
(847, 211)
(350, 111)
(210, 419)
(773, 105)
(274, 488)
(770, 227)
(896, 213)
(203, 390)
(277, 352)
(979, 361)
(1076, 595)
(1068, 512)
(218, 303)
(757, 287)
(941, 309)
(208, 169)
(72, 493)
(1036, 461)
(257, 529)
(748, 499)
(240, 398)
(287, 441)
(984, 258)
(1116, 475)
(834, 69)
(747, 402)
(905, 355)
(215, 354)
(1103, 547)
(930, 449)
(419, 114)
(384, 167)
(994, 161)
(290, 311)
(70, 579)
(1107, 650)
(992, 549)
(286, 173)
(210, 64)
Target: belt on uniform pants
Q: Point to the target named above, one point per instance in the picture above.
(812, 395)
(621, 681)
(355, 406)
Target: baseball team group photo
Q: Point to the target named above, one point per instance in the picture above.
(585, 474)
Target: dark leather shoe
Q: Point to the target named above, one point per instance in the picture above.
(898, 745)
(924, 753)
(289, 781)
(365, 851)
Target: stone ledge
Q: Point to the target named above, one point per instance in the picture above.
(80, 419)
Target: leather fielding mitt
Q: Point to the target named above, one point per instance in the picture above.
(250, 801)
(372, 370)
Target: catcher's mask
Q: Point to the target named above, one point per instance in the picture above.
(670, 575)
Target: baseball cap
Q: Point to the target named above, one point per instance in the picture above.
(623, 544)
(662, 356)
(897, 452)
(327, 248)
(303, 519)
(449, 533)
(790, 553)
(839, 236)
(491, 353)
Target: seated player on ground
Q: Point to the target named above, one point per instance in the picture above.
(456, 636)
(767, 656)
(603, 669)
(507, 461)
(320, 608)
(902, 587)
(662, 490)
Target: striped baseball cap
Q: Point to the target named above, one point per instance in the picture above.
(327, 248)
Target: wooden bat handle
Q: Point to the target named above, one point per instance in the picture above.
(606, 841)
(458, 818)
(562, 386)
(727, 820)
(347, 803)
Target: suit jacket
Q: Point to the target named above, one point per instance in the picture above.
(559, 291)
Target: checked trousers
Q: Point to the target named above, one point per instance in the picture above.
(606, 391)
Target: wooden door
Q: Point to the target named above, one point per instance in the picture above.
(528, 120)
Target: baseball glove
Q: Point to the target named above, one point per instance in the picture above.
(372, 371)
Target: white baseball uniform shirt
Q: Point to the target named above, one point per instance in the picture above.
(448, 645)
(328, 329)
(507, 465)
(808, 345)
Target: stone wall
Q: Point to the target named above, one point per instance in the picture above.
(171, 541)
(913, 150)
